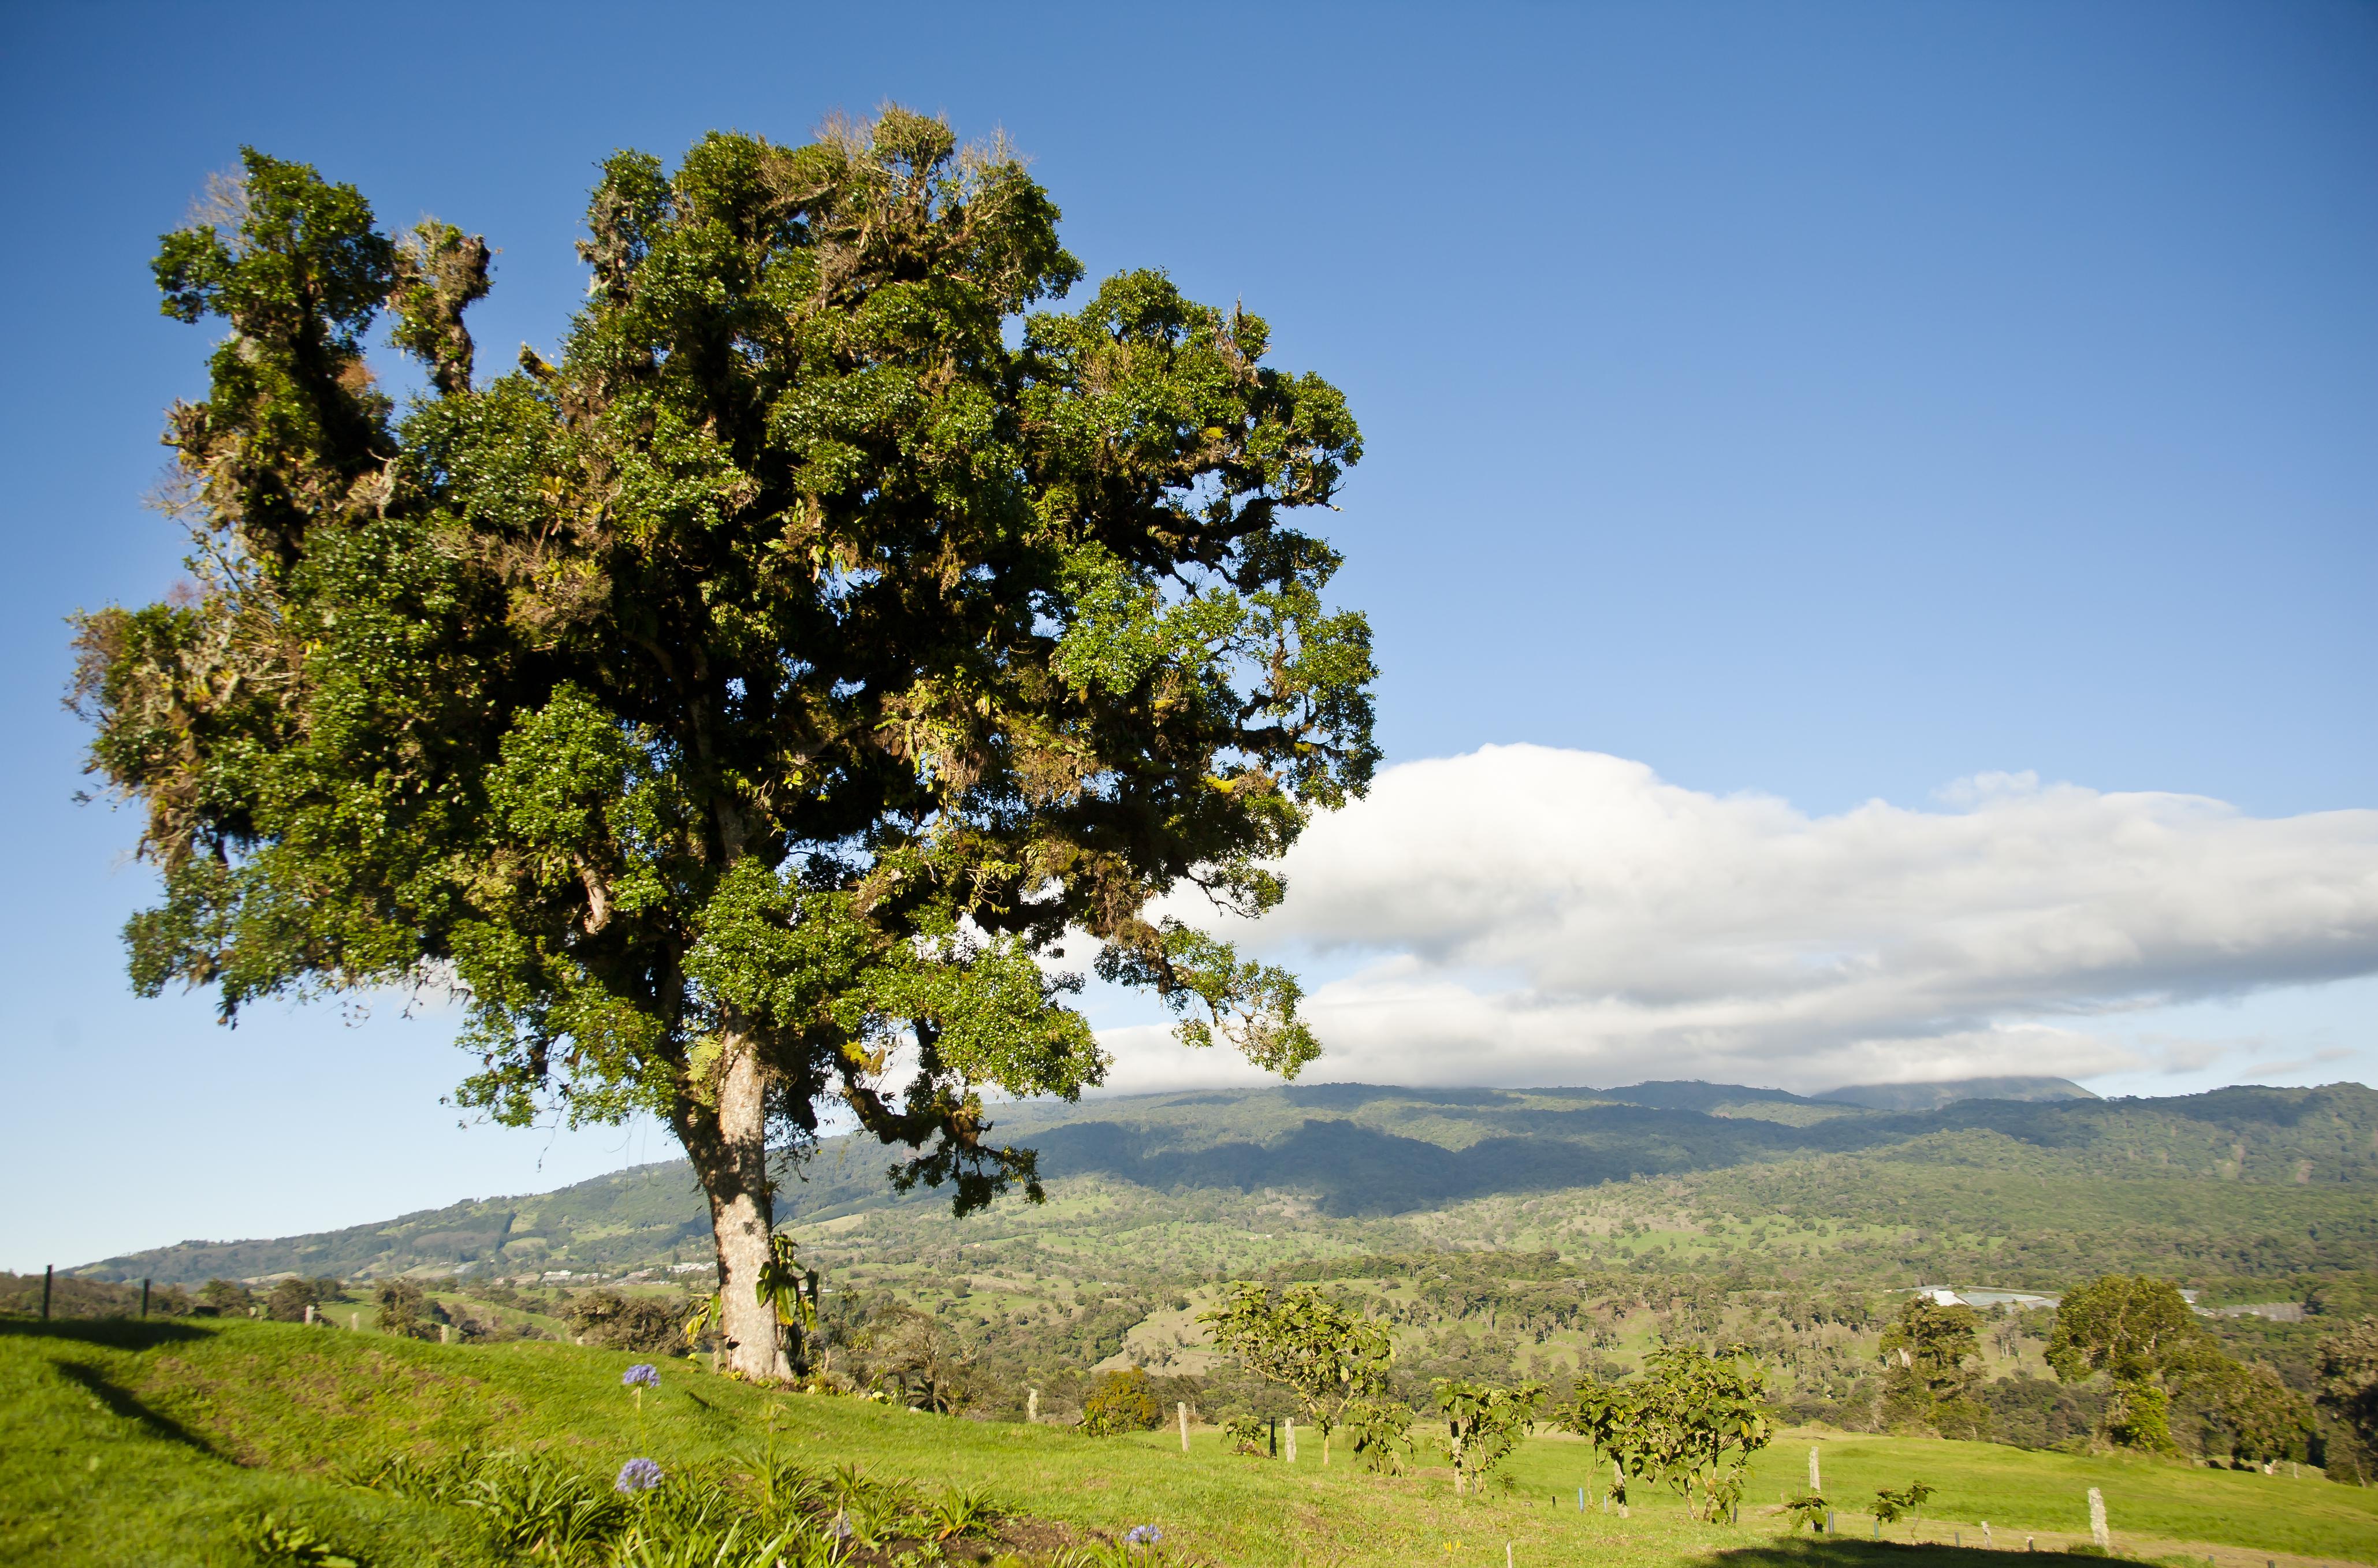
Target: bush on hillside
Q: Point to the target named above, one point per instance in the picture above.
(288, 1299)
(647, 1324)
(1120, 1402)
(405, 1311)
(223, 1299)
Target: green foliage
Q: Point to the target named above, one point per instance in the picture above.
(1809, 1509)
(1483, 1423)
(1692, 1420)
(404, 1311)
(271, 1540)
(225, 1299)
(1890, 1507)
(1122, 1401)
(1932, 1357)
(1245, 1434)
(2141, 1335)
(769, 685)
(920, 1354)
(2256, 1418)
(648, 1324)
(1300, 1339)
(1380, 1433)
(2348, 1379)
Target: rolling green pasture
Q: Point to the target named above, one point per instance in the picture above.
(124, 1442)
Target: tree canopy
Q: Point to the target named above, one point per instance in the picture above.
(2141, 1332)
(762, 693)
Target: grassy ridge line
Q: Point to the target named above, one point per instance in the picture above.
(129, 1443)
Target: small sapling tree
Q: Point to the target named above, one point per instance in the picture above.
(1692, 1419)
(756, 694)
(1908, 1503)
(1483, 1423)
(1327, 1357)
(1380, 1433)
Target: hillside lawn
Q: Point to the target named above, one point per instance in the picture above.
(127, 1442)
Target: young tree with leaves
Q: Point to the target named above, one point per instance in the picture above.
(1692, 1419)
(1483, 1423)
(1327, 1357)
(758, 694)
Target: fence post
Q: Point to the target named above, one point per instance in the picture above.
(1180, 1408)
(1289, 1423)
(1032, 1408)
(47, 1270)
(2098, 1531)
(1815, 1483)
(1272, 1434)
(144, 1297)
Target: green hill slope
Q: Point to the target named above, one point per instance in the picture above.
(2242, 1181)
(161, 1443)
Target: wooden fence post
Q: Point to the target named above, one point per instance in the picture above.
(1032, 1408)
(144, 1297)
(2098, 1531)
(47, 1271)
(1816, 1481)
(1289, 1430)
(1180, 1408)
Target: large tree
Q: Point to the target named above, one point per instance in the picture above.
(2142, 1333)
(760, 695)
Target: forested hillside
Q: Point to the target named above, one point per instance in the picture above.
(2242, 1181)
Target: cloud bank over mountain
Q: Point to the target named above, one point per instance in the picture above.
(1527, 915)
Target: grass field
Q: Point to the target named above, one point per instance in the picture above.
(126, 1442)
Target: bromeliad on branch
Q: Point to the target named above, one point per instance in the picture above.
(767, 688)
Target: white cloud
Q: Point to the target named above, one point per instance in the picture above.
(1526, 915)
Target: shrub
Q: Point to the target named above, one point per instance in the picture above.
(1120, 1402)
(645, 1325)
(223, 1299)
(289, 1298)
(403, 1309)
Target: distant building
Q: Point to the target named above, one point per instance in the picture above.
(1981, 1298)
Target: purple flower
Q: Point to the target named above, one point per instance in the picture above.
(641, 1375)
(637, 1475)
(1144, 1535)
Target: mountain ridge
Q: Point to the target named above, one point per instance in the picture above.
(1364, 1155)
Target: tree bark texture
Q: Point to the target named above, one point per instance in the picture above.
(729, 1143)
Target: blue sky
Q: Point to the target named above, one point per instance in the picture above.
(1818, 404)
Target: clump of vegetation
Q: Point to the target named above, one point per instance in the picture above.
(1889, 1506)
(1122, 1401)
(1692, 1420)
(1327, 1357)
(647, 1325)
(1482, 1424)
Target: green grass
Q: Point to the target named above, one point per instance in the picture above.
(126, 1442)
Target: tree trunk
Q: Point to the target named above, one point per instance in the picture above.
(728, 1144)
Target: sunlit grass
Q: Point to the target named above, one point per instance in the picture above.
(127, 1442)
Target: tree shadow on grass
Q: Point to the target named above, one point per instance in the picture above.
(1838, 1552)
(115, 1333)
(123, 1403)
